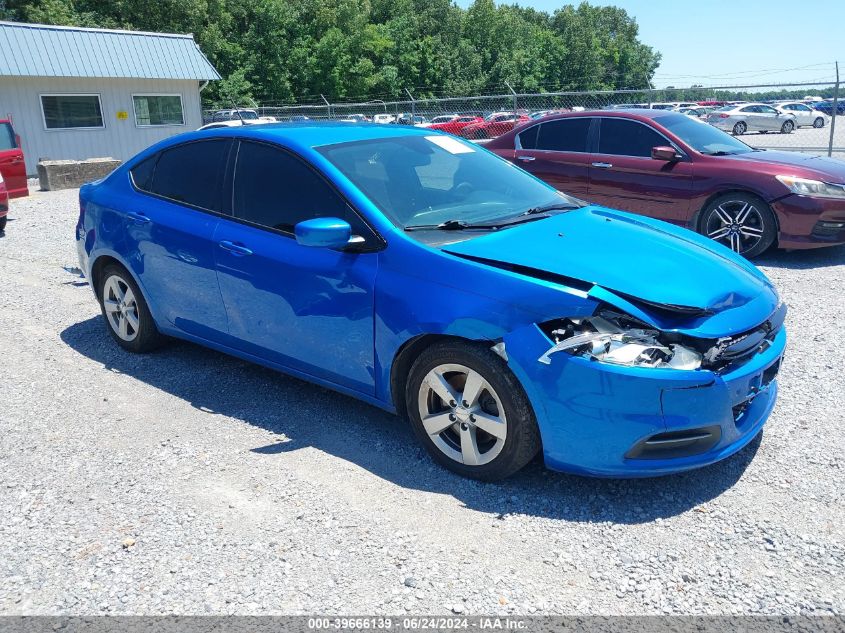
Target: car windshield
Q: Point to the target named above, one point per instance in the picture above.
(703, 137)
(426, 180)
(247, 115)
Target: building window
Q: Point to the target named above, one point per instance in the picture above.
(158, 110)
(63, 112)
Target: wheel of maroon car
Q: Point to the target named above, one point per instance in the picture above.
(125, 311)
(787, 127)
(819, 122)
(3, 223)
(740, 221)
(470, 411)
(740, 128)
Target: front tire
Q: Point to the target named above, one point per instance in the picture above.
(470, 412)
(787, 127)
(818, 123)
(740, 128)
(3, 221)
(740, 221)
(125, 311)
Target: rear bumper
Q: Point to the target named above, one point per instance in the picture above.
(594, 418)
(810, 222)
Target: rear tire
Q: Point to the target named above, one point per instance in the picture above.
(787, 127)
(127, 317)
(741, 221)
(3, 223)
(740, 128)
(482, 426)
(818, 123)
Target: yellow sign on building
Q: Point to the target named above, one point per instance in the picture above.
(122, 115)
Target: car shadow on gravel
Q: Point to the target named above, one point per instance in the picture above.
(802, 259)
(383, 444)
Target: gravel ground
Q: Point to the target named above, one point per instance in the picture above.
(190, 482)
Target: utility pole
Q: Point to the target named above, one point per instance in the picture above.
(833, 112)
(513, 92)
(328, 106)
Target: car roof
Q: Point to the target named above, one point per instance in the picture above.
(317, 133)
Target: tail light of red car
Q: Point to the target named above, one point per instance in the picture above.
(724, 116)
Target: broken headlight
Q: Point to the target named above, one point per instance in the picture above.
(620, 340)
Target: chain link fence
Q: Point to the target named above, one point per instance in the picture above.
(814, 127)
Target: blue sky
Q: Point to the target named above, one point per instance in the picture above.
(729, 42)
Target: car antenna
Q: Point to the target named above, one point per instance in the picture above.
(237, 110)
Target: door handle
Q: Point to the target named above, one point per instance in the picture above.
(138, 218)
(603, 165)
(526, 159)
(236, 249)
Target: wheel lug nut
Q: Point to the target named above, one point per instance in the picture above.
(465, 403)
(472, 418)
(452, 403)
(464, 427)
(452, 417)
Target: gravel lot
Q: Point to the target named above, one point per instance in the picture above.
(191, 482)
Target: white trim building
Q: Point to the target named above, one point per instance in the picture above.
(77, 93)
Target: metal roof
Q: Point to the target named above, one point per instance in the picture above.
(40, 50)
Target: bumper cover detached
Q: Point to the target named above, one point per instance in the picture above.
(614, 421)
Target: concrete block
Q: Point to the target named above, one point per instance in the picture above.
(70, 174)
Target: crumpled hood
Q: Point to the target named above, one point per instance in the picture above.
(631, 255)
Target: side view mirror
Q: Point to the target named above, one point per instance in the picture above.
(323, 233)
(664, 152)
(18, 141)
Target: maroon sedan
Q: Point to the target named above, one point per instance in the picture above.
(673, 167)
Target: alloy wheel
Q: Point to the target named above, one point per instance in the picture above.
(787, 127)
(740, 128)
(737, 224)
(121, 308)
(819, 122)
(462, 414)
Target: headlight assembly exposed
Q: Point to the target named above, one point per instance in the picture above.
(608, 339)
(815, 188)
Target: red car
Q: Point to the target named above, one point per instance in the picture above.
(4, 204)
(454, 124)
(12, 165)
(494, 125)
(670, 166)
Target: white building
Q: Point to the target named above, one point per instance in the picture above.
(77, 93)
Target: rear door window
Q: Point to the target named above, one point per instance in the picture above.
(564, 135)
(628, 138)
(191, 173)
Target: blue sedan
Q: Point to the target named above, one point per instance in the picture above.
(423, 274)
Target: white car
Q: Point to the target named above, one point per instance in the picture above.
(805, 114)
(751, 117)
(383, 118)
(233, 123)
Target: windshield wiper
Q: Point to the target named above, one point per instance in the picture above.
(460, 225)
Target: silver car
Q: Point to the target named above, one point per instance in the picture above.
(804, 113)
(751, 117)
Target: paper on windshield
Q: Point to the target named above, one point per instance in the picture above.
(451, 145)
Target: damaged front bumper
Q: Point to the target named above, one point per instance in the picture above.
(610, 420)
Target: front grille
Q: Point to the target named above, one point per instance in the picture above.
(740, 347)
